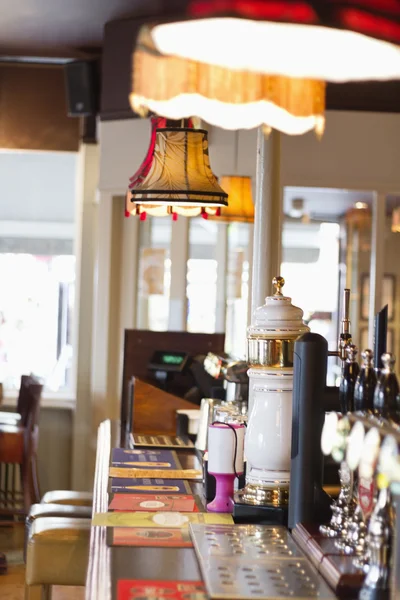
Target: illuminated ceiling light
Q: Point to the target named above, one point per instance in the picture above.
(359, 215)
(297, 208)
(180, 180)
(178, 88)
(144, 168)
(330, 40)
(396, 220)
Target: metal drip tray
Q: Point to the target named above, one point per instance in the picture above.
(252, 542)
(233, 567)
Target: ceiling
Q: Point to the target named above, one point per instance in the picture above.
(62, 28)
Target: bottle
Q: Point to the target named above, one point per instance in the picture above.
(348, 379)
(365, 384)
(387, 390)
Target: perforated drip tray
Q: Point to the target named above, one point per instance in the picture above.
(253, 542)
(254, 561)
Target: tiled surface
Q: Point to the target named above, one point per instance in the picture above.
(12, 584)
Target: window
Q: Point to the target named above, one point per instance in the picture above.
(239, 246)
(201, 294)
(37, 268)
(36, 311)
(154, 274)
(201, 289)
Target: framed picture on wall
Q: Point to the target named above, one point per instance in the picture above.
(388, 295)
(365, 344)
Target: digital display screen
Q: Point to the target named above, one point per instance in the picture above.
(164, 360)
(172, 359)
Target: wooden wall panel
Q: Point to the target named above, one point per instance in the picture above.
(140, 345)
(154, 411)
(33, 110)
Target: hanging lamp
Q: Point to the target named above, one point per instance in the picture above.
(140, 174)
(239, 189)
(179, 88)
(359, 215)
(180, 180)
(241, 207)
(144, 168)
(395, 227)
(326, 40)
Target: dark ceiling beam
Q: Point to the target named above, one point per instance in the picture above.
(372, 96)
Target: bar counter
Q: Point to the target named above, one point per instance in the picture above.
(112, 570)
(108, 564)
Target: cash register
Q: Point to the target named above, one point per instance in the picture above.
(165, 364)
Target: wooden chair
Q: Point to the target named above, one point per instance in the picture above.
(19, 484)
(13, 418)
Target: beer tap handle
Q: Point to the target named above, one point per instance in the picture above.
(346, 311)
(345, 335)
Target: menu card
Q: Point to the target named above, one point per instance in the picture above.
(128, 589)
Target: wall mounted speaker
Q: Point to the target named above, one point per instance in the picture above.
(81, 83)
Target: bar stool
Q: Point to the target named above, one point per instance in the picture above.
(53, 510)
(68, 497)
(57, 554)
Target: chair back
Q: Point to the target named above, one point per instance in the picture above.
(25, 380)
(29, 401)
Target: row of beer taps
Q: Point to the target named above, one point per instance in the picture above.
(364, 439)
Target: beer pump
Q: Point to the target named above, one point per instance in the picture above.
(287, 369)
(271, 337)
(308, 502)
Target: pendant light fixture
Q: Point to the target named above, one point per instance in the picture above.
(241, 206)
(395, 227)
(180, 180)
(144, 168)
(228, 98)
(239, 189)
(329, 40)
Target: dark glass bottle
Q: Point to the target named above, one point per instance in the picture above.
(387, 390)
(364, 388)
(348, 379)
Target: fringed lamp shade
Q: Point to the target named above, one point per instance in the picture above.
(330, 40)
(146, 164)
(240, 198)
(155, 122)
(144, 168)
(232, 99)
(180, 180)
(396, 220)
(359, 215)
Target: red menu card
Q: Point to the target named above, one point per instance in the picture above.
(128, 589)
(152, 503)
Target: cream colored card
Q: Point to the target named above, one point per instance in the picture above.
(127, 473)
(159, 519)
